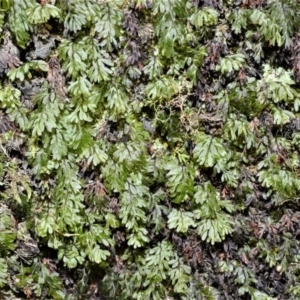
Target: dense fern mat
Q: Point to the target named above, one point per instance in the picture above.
(149, 149)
